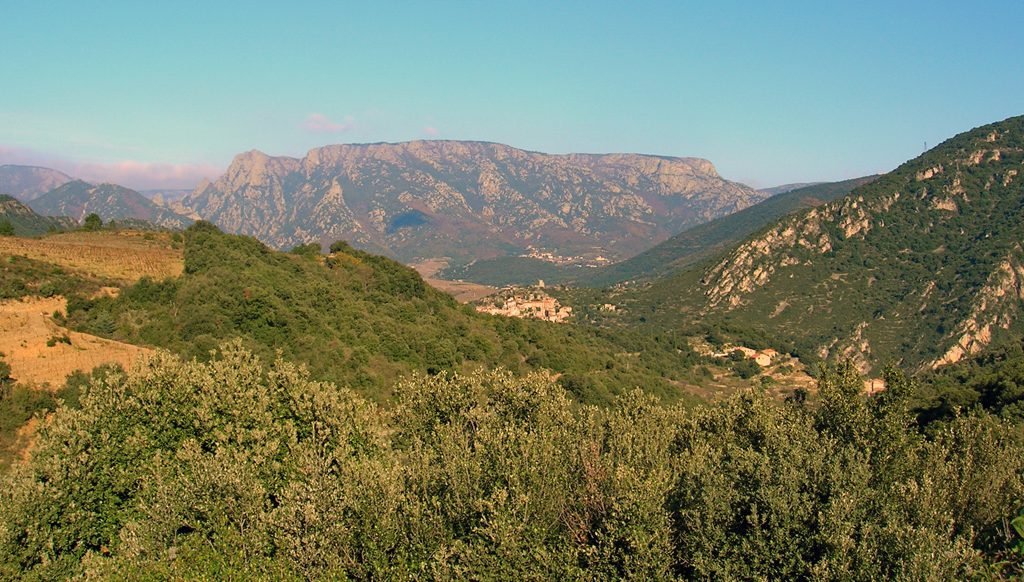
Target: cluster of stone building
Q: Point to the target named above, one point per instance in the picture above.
(538, 305)
(763, 358)
(534, 253)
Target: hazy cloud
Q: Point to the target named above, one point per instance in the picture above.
(130, 173)
(431, 131)
(320, 123)
(148, 175)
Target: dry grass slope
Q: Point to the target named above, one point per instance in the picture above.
(25, 328)
(124, 256)
(462, 291)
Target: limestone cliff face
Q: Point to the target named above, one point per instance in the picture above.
(466, 199)
(925, 261)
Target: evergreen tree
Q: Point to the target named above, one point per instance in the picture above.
(92, 222)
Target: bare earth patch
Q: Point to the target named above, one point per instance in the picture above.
(462, 291)
(124, 256)
(25, 327)
(25, 438)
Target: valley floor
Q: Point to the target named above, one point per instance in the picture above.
(462, 291)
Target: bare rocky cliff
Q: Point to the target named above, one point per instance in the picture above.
(466, 199)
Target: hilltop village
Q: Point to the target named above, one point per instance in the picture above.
(525, 302)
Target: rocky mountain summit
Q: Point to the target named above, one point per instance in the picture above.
(110, 201)
(29, 182)
(924, 264)
(466, 199)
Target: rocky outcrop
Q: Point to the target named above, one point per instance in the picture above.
(912, 266)
(466, 199)
(752, 264)
(996, 306)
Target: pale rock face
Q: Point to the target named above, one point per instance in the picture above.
(928, 174)
(996, 306)
(754, 263)
(469, 199)
(944, 204)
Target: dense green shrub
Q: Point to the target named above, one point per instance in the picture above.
(362, 321)
(230, 469)
(92, 222)
(849, 489)
(993, 381)
(21, 276)
(746, 368)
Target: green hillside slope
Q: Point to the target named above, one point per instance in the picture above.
(922, 266)
(699, 242)
(362, 321)
(25, 222)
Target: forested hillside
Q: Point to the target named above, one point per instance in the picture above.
(708, 239)
(20, 220)
(363, 321)
(922, 266)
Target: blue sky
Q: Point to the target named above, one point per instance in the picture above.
(160, 94)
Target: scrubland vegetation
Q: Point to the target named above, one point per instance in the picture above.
(231, 469)
(364, 321)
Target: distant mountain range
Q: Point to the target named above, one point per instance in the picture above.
(172, 200)
(787, 187)
(704, 240)
(684, 249)
(29, 182)
(923, 265)
(467, 200)
(76, 199)
(166, 196)
(26, 222)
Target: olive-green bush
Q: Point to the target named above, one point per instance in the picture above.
(232, 469)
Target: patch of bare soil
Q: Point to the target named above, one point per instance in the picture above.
(27, 325)
(125, 256)
(462, 291)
